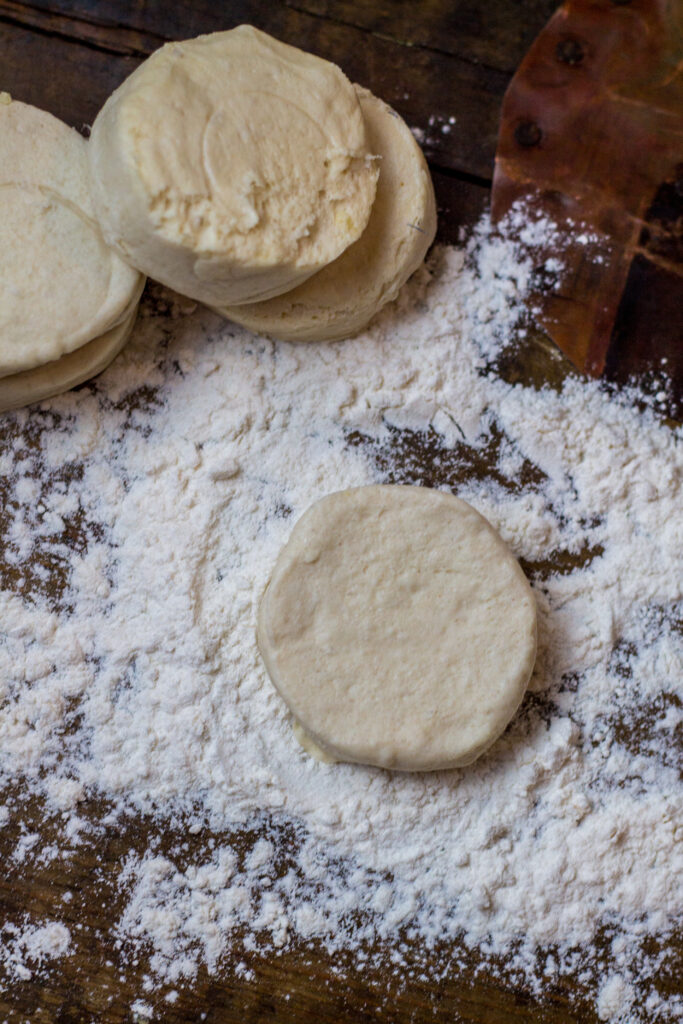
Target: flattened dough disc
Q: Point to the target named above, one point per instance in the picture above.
(341, 299)
(398, 628)
(232, 166)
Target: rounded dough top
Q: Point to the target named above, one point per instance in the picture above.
(398, 628)
(232, 166)
(60, 284)
(341, 299)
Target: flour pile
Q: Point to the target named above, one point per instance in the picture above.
(176, 479)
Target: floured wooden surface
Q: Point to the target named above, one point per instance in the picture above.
(81, 887)
(150, 508)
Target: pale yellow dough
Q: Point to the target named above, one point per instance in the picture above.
(232, 166)
(398, 628)
(341, 299)
(20, 389)
(60, 284)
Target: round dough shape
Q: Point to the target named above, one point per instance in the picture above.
(232, 166)
(398, 628)
(341, 299)
(60, 284)
(20, 389)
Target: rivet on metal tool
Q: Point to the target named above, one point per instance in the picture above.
(569, 51)
(527, 133)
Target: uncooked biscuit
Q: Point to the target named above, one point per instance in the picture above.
(60, 284)
(341, 299)
(398, 628)
(232, 166)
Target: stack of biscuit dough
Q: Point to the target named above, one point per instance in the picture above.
(232, 168)
(67, 301)
(257, 179)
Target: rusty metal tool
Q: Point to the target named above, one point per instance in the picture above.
(591, 135)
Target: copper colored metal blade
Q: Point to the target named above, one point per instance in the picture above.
(591, 135)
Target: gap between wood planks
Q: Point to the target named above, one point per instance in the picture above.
(102, 36)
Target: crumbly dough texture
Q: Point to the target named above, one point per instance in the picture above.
(232, 166)
(341, 299)
(29, 386)
(60, 284)
(398, 628)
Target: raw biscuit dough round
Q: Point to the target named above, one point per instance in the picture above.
(341, 299)
(232, 166)
(398, 628)
(60, 284)
(20, 389)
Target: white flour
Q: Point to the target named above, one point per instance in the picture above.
(195, 453)
(25, 949)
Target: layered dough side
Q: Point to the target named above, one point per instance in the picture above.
(232, 166)
(341, 299)
(84, 363)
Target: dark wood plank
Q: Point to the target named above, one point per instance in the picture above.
(70, 80)
(65, 21)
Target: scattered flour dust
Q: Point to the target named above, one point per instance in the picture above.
(25, 949)
(179, 475)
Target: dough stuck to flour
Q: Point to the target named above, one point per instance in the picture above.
(398, 628)
(29, 386)
(232, 166)
(60, 284)
(341, 299)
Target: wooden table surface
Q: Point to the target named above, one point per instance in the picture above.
(431, 60)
